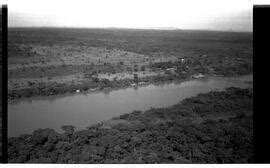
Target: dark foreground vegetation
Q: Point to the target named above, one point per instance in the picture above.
(216, 127)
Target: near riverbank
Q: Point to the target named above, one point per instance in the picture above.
(216, 127)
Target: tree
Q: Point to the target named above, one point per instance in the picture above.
(69, 129)
(143, 68)
(136, 77)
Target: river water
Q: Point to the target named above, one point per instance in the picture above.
(82, 110)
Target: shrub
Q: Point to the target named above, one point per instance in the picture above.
(143, 68)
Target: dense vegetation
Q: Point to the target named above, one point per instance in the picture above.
(215, 127)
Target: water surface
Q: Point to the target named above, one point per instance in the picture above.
(82, 110)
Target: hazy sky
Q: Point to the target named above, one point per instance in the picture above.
(233, 15)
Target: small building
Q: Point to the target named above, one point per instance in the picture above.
(182, 60)
(170, 71)
(142, 83)
(183, 72)
(91, 75)
(93, 89)
(199, 75)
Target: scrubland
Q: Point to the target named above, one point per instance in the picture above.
(50, 61)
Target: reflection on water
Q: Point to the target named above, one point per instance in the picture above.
(82, 110)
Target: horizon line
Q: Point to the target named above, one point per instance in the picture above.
(136, 28)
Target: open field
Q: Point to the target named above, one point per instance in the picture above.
(49, 61)
(214, 127)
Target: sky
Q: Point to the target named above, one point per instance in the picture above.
(225, 15)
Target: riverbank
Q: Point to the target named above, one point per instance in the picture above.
(64, 61)
(102, 85)
(54, 88)
(210, 128)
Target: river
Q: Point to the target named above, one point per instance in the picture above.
(82, 110)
